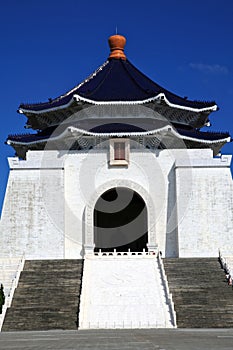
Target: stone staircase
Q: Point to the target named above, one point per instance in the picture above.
(47, 296)
(123, 291)
(200, 292)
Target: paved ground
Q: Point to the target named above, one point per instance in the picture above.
(160, 339)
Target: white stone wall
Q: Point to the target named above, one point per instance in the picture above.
(85, 175)
(206, 223)
(188, 194)
(32, 195)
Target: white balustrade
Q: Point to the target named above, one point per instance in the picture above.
(127, 254)
(10, 294)
(167, 292)
(226, 262)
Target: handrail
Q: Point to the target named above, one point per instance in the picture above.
(228, 268)
(167, 292)
(9, 297)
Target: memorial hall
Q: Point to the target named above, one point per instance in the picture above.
(119, 203)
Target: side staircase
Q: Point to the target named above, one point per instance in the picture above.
(47, 296)
(200, 292)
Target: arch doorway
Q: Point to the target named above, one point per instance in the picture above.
(120, 221)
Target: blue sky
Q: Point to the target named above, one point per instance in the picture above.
(47, 47)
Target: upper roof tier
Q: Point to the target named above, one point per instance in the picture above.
(117, 81)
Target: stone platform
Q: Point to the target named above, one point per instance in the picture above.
(159, 339)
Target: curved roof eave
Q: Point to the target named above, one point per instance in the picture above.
(80, 132)
(159, 97)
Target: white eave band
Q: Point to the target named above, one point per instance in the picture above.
(159, 97)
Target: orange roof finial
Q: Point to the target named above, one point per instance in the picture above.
(117, 43)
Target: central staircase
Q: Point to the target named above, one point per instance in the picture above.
(200, 292)
(47, 296)
(123, 292)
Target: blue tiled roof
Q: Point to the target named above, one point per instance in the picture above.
(117, 80)
(116, 127)
(204, 135)
(27, 138)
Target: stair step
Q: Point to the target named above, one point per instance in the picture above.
(200, 292)
(47, 296)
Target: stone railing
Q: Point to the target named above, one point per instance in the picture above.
(128, 254)
(124, 325)
(167, 292)
(9, 297)
(226, 263)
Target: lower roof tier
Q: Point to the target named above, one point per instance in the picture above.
(161, 135)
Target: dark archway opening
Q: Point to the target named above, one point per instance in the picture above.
(120, 221)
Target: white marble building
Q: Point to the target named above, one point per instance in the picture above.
(118, 162)
(50, 200)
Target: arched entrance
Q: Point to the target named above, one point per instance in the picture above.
(120, 221)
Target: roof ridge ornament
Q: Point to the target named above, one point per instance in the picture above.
(117, 43)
